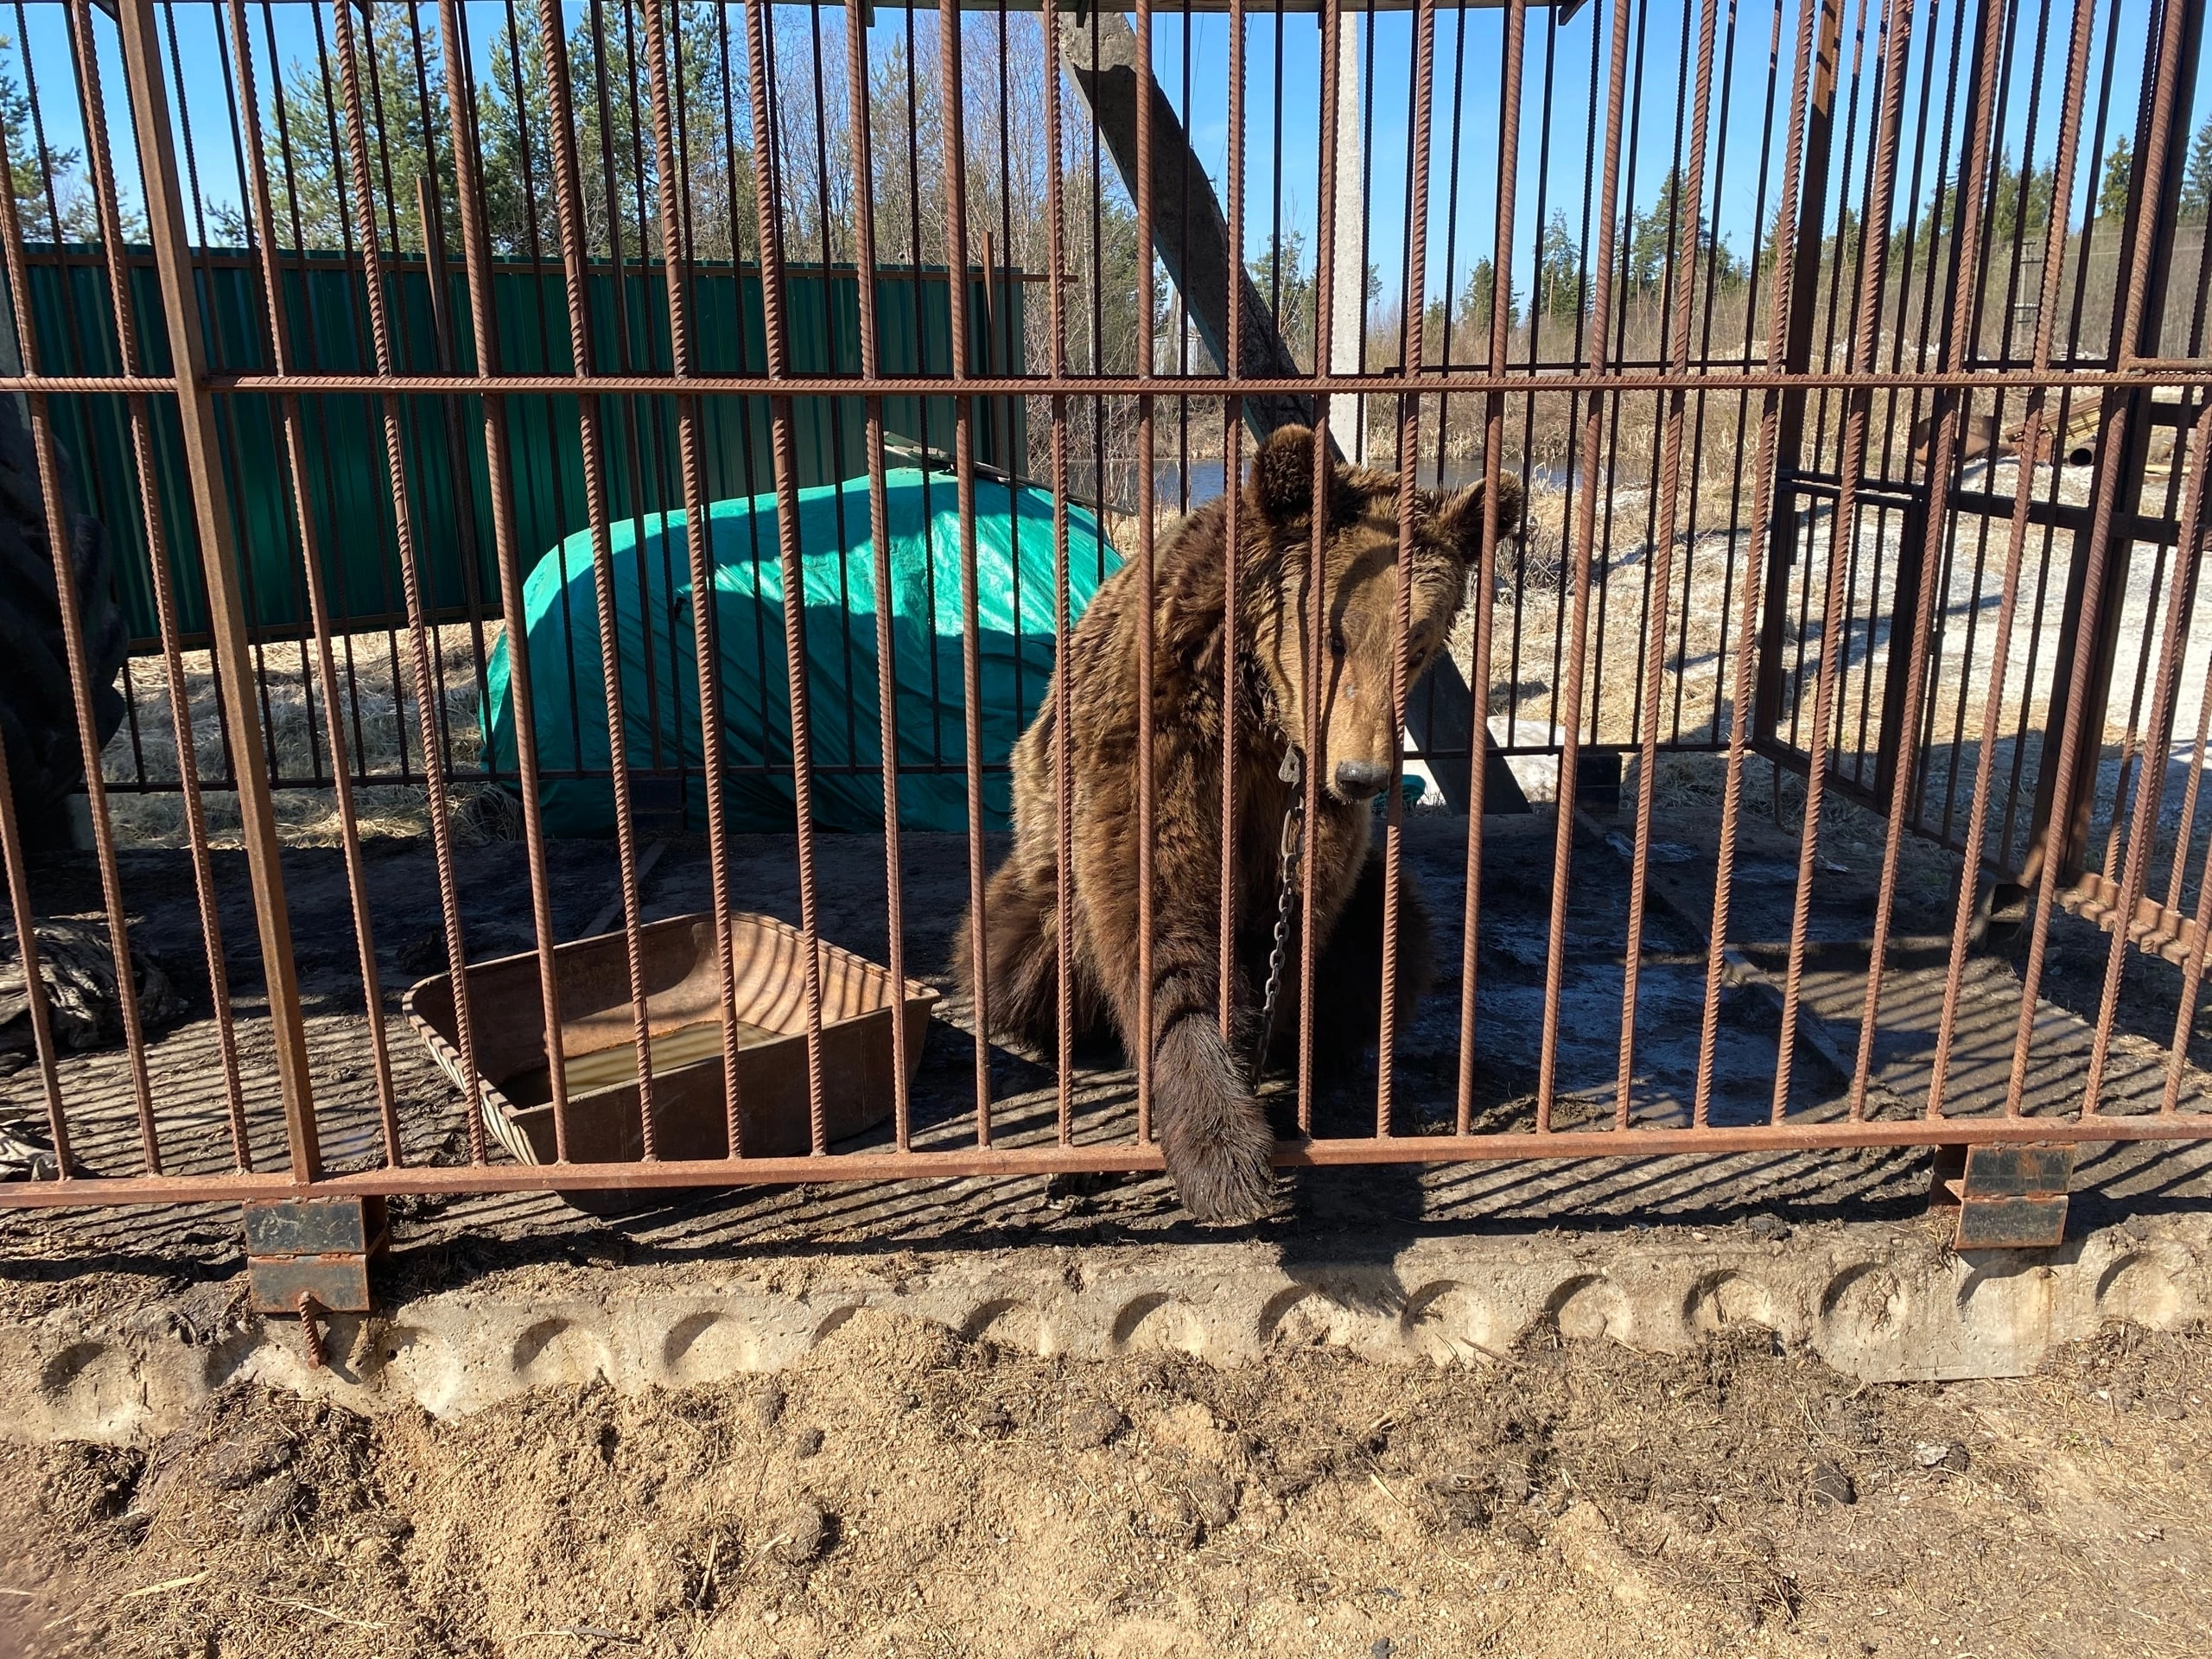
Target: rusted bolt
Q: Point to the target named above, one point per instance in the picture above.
(307, 1308)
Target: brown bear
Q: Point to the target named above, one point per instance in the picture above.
(1215, 1137)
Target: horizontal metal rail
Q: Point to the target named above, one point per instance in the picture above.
(1544, 380)
(1012, 1160)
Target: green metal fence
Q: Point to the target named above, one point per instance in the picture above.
(326, 314)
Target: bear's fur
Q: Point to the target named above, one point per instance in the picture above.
(1215, 1139)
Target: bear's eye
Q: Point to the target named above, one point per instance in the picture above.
(1337, 645)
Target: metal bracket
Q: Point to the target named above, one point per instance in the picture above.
(1597, 780)
(310, 1256)
(2007, 1197)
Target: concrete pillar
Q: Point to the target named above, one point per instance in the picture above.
(1348, 269)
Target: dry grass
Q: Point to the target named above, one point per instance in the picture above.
(380, 716)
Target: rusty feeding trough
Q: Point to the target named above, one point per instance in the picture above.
(683, 1010)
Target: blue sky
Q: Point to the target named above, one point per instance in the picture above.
(1469, 49)
(1559, 64)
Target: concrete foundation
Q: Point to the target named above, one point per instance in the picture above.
(116, 1324)
(1883, 1303)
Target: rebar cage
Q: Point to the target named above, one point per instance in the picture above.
(338, 314)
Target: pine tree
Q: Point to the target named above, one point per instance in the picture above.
(610, 98)
(71, 202)
(1653, 240)
(2196, 180)
(1476, 301)
(1559, 291)
(2112, 191)
(2019, 199)
(307, 141)
(1769, 254)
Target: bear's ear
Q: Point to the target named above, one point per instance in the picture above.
(1459, 518)
(1282, 474)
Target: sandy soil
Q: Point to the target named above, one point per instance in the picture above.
(904, 1493)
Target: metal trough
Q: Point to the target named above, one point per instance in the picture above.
(683, 1015)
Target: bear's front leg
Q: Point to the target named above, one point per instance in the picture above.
(1216, 1141)
(1219, 1145)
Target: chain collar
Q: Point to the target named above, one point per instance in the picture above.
(1291, 848)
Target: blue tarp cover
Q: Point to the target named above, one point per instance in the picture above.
(660, 684)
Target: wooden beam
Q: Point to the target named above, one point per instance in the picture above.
(1190, 234)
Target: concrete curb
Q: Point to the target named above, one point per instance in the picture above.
(1874, 1301)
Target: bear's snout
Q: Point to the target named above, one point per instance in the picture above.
(1359, 780)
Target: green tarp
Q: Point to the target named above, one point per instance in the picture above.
(660, 685)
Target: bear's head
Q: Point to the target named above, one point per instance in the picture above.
(1359, 571)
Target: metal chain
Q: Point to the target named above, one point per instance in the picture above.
(1293, 845)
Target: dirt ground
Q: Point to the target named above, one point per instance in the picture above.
(903, 1492)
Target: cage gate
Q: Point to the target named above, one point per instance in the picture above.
(1856, 384)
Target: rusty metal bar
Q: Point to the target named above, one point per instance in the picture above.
(2192, 984)
(100, 159)
(1579, 552)
(1743, 719)
(856, 14)
(1228, 990)
(1690, 192)
(953, 94)
(24, 914)
(2182, 20)
(1314, 598)
(1874, 263)
(477, 259)
(1501, 309)
(2191, 797)
(2064, 804)
(1402, 579)
(766, 204)
(1814, 123)
(1063, 623)
(2173, 641)
(60, 538)
(1148, 1037)
(1902, 728)
(311, 570)
(698, 538)
(165, 220)
(567, 190)
(2032, 430)
(428, 700)
(1720, 378)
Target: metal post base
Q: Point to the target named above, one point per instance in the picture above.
(2004, 1197)
(312, 1253)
